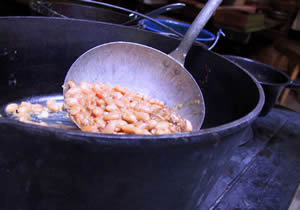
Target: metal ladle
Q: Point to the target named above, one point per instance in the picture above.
(148, 71)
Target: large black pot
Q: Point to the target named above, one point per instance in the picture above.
(52, 168)
(78, 10)
(271, 79)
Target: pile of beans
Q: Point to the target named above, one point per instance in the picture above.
(24, 111)
(104, 108)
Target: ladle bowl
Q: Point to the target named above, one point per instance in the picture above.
(119, 63)
(148, 71)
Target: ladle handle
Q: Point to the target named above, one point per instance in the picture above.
(157, 12)
(294, 84)
(198, 24)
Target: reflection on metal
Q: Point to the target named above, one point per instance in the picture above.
(295, 204)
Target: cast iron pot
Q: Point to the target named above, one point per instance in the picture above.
(54, 168)
(93, 10)
(79, 11)
(104, 12)
(272, 80)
